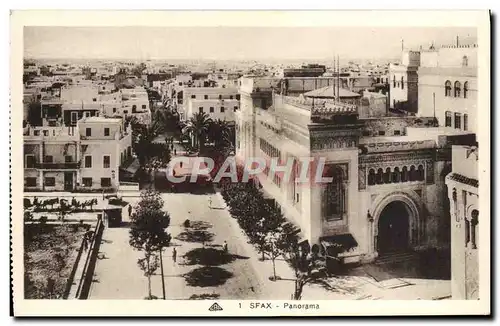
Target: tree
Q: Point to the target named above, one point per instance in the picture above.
(219, 133)
(148, 264)
(151, 155)
(198, 127)
(138, 70)
(148, 230)
(28, 216)
(308, 267)
(64, 210)
(271, 219)
(275, 245)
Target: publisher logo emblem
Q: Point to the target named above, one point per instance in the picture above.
(215, 307)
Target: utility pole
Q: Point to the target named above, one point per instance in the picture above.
(434, 104)
(162, 275)
(333, 81)
(338, 78)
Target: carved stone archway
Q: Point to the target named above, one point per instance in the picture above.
(413, 207)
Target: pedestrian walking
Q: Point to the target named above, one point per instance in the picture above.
(175, 151)
(174, 255)
(85, 243)
(210, 201)
(129, 210)
(224, 246)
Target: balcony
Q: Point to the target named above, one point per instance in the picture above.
(58, 166)
(58, 134)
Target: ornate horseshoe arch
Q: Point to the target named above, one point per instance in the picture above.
(412, 204)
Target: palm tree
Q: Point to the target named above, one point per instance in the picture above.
(160, 120)
(198, 126)
(219, 132)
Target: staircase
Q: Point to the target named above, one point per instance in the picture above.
(397, 257)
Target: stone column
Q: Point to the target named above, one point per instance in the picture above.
(372, 245)
(473, 228)
(40, 179)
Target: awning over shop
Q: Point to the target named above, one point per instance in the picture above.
(337, 244)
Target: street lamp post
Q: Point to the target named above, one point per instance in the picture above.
(162, 275)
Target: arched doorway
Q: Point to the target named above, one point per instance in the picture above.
(393, 228)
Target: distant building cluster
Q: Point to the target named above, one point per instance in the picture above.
(75, 132)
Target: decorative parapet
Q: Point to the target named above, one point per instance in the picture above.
(270, 121)
(395, 146)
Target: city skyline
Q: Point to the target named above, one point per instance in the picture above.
(233, 43)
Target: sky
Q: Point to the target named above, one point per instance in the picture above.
(232, 43)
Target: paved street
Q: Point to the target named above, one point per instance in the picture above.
(201, 269)
(118, 276)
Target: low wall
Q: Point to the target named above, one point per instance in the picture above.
(71, 277)
(90, 262)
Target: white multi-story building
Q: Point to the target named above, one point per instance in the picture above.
(75, 158)
(223, 109)
(403, 83)
(447, 86)
(206, 93)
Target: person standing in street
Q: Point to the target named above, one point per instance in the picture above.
(130, 210)
(174, 255)
(224, 246)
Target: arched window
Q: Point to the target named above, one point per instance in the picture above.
(447, 88)
(387, 175)
(458, 121)
(380, 176)
(371, 177)
(466, 122)
(396, 175)
(465, 61)
(404, 174)
(466, 89)
(402, 82)
(413, 173)
(457, 88)
(335, 192)
(447, 119)
(421, 174)
(474, 222)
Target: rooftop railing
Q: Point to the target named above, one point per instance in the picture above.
(58, 166)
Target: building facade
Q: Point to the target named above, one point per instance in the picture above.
(463, 184)
(216, 109)
(388, 190)
(403, 85)
(206, 93)
(84, 157)
(447, 86)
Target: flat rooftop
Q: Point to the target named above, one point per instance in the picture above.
(100, 120)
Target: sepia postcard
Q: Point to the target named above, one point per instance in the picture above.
(232, 163)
